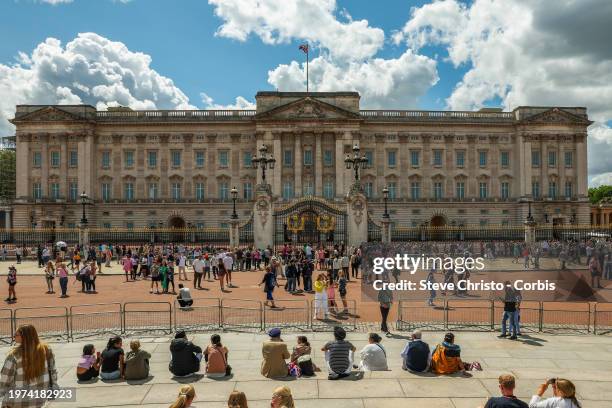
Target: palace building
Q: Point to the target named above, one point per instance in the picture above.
(177, 168)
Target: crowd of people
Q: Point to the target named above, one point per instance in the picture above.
(31, 363)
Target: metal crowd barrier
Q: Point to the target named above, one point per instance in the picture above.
(141, 317)
(6, 326)
(50, 321)
(556, 319)
(347, 320)
(418, 314)
(470, 314)
(96, 319)
(290, 313)
(530, 316)
(242, 314)
(602, 318)
(203, 315)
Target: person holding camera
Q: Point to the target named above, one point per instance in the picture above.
(564, 395)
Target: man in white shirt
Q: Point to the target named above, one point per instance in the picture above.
(198, 271)
(228, 262)
(184, 297)
(182, 261)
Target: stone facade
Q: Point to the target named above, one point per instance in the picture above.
(175, 168)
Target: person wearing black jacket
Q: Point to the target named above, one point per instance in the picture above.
(185, 356)
(291, 274)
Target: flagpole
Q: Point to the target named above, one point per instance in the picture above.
(307, 51)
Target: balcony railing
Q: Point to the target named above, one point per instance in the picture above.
(173, 115)
(417, 116)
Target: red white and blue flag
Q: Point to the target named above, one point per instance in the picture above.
(304, 47)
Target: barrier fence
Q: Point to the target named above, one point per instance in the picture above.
(6, 325)
(320, 322)
(50, 321)
(204, 315)
(292, 313)
(242, 314)
(551, 317)
(95, 319)
(147, 317)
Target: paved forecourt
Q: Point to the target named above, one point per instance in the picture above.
(586, 360)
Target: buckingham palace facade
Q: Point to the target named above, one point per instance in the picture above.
(176, 168)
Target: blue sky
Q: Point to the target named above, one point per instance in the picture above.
(179, 36)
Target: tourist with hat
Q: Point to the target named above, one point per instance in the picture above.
(274, 352)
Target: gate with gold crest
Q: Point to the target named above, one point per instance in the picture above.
(310, 220)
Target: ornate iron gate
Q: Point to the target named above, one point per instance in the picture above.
(310, 220)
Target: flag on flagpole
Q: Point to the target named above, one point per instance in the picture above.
(304, 47)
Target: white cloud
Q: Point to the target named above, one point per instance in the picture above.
(240, 103)
(526, 52)
(55, 2)
(282, 21)
(382, 83)
(90, 69)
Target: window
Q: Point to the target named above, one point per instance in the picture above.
(483, 223)
(505, 159)
(535, 158)
(36, 191)
(568, 189)
(153, 191)
(308, 188)
(223, 158)
(391, 158)
(328, 190)
(552, 189)
(106, 225)
(55, 159)
(247, 159)
(73, 158)
(55, 190)
(370, 156)
(287, 190)
(199, 191)
(288, 158)
(328, 158)
(176, 191)
(176, 158)
(36, 159)
(73, 189)
(569, 159)
(367, 189)
(535, 189)
(152, 160)
(505, 190)
(392, 187)
(128, 191)
(129, 225)
(223, 191)
(460, 158)
(552, 158)
(247, 191)
(106, 191)
(415, 190)
(414, 158)
(460, 190)
(483, 190)
(129, 159)
(308, 157)
(482, 158)
(437, 157)
(437, 190)
(199, 159)
(106, 160)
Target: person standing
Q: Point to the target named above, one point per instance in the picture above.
(62, 272)
(18, 253)
(342, 280)
(269, 282)
(31, 364)
(510, 312)
(49, 276)
(320, 298)
(182, 264)
(198, 272)
(155, 275)
(228, 263)
(385, 299)
(126, 262)
(11, 279)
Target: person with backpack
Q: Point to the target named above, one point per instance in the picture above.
(446, 358)
(216, 355)
(373, 355)
(302, 357)
(137, 362)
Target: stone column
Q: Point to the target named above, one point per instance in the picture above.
(386, 230)
(23, 166)
(263, 218)
(339, 165)
(84, 235)
(275, 177)
(318, 166)
(581, 167)
(357, 219)
(89, 165)
(530, 236)
(234, 233)
(64, 190)
(298, 164)
(44, 165)
(82, 172)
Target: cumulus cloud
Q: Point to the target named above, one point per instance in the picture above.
(526, 52)
(90, 69)
(282, 21)
(240, 103)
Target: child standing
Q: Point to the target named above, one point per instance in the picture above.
(331, 297)
(12, 281)
(342, 290)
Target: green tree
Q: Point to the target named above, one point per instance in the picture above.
(7, 174)
(597, 193)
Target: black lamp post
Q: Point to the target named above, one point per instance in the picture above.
(529, 215)
(386, 198)
(356, 162)
(234, 198)
(263, 161)
(84, 198)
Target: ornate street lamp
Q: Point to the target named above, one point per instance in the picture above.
(84, 199)
(263, 161)
(356, 162)
(234, 198)
(386, 198)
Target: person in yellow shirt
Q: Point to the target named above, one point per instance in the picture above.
(320, 287)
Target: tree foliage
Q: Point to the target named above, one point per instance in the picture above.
(7, 174)
(597, 193)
